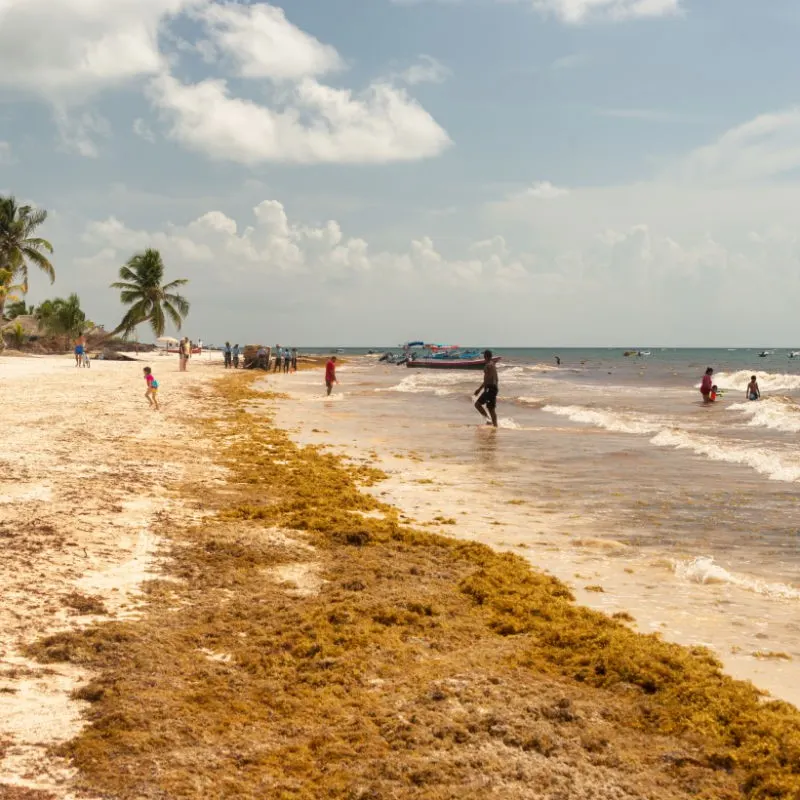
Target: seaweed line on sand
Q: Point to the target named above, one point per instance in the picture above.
(415, 666)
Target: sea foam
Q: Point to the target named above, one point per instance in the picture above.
(705, 570)
(776, 413)
(618, 422)
(774, 465)
(771, 463)
(767, 381)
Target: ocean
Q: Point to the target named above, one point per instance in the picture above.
(609, 472)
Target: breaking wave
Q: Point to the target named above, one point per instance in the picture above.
(767, 381)
(704, 570)
(776, 413)
(775, 465)
(770, 463)
(429, 381)
(615, 421)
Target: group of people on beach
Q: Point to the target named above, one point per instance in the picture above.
(710, 391)
(277, 359)
(231, 355)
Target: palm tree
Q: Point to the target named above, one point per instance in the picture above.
(141, 288)
(17, 308)
(8, 291)
(61, 317)
(19, 247)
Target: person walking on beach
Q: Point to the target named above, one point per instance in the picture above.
(294, 359)
(227, 355)
(706, 385)
(235, 354)
(488, 391)
(80, 348)
(330, 374)
(277, 358)
(753, 392)
(287, 360)
(261, 356)
(152, 389)
(184, 349)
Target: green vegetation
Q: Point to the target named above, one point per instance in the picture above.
(19, 248)
(150, 299)
(60, 317)
(18, 308)
(421, 667)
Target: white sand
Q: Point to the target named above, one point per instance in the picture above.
(85, 474)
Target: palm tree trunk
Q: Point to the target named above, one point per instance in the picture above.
(2, 310)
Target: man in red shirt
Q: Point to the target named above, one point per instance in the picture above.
(330, 374)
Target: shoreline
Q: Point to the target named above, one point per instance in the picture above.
(308, 640)
(604, 573)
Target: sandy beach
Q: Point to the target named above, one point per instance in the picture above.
(86, 479)
(193, 605)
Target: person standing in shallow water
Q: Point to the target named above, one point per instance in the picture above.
(488, 391)
(706, 385)
(330, 374)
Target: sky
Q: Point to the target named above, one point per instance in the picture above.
(365, 172)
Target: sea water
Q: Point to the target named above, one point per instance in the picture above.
(610, 472)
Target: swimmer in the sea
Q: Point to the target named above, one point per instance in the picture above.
(706, 385)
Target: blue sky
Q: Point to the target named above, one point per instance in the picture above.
(554, 172)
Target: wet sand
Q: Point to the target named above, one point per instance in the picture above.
(85, 475)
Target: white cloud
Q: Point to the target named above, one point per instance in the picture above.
(71, 48)
(319, 124)
(764, 148)
(272, 245)
(541, 190)
(6, 153)
(578, 11)
(427, 69)
(79, 131)
(262, 43)
(657, 281)
(143, 130)
(65, 50)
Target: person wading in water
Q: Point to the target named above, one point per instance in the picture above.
(488, 391)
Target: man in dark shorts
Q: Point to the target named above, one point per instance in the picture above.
(488, 391)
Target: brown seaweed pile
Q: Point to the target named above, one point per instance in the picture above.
(306, 644)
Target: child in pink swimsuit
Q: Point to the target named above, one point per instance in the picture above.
(152, 388)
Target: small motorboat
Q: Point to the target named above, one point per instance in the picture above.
(764, 354)
(794, 354)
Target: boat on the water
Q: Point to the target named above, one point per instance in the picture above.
(441, 356)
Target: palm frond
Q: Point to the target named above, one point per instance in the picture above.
(179, 301)
(174, 315)
(157, 321)
(174, 284)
